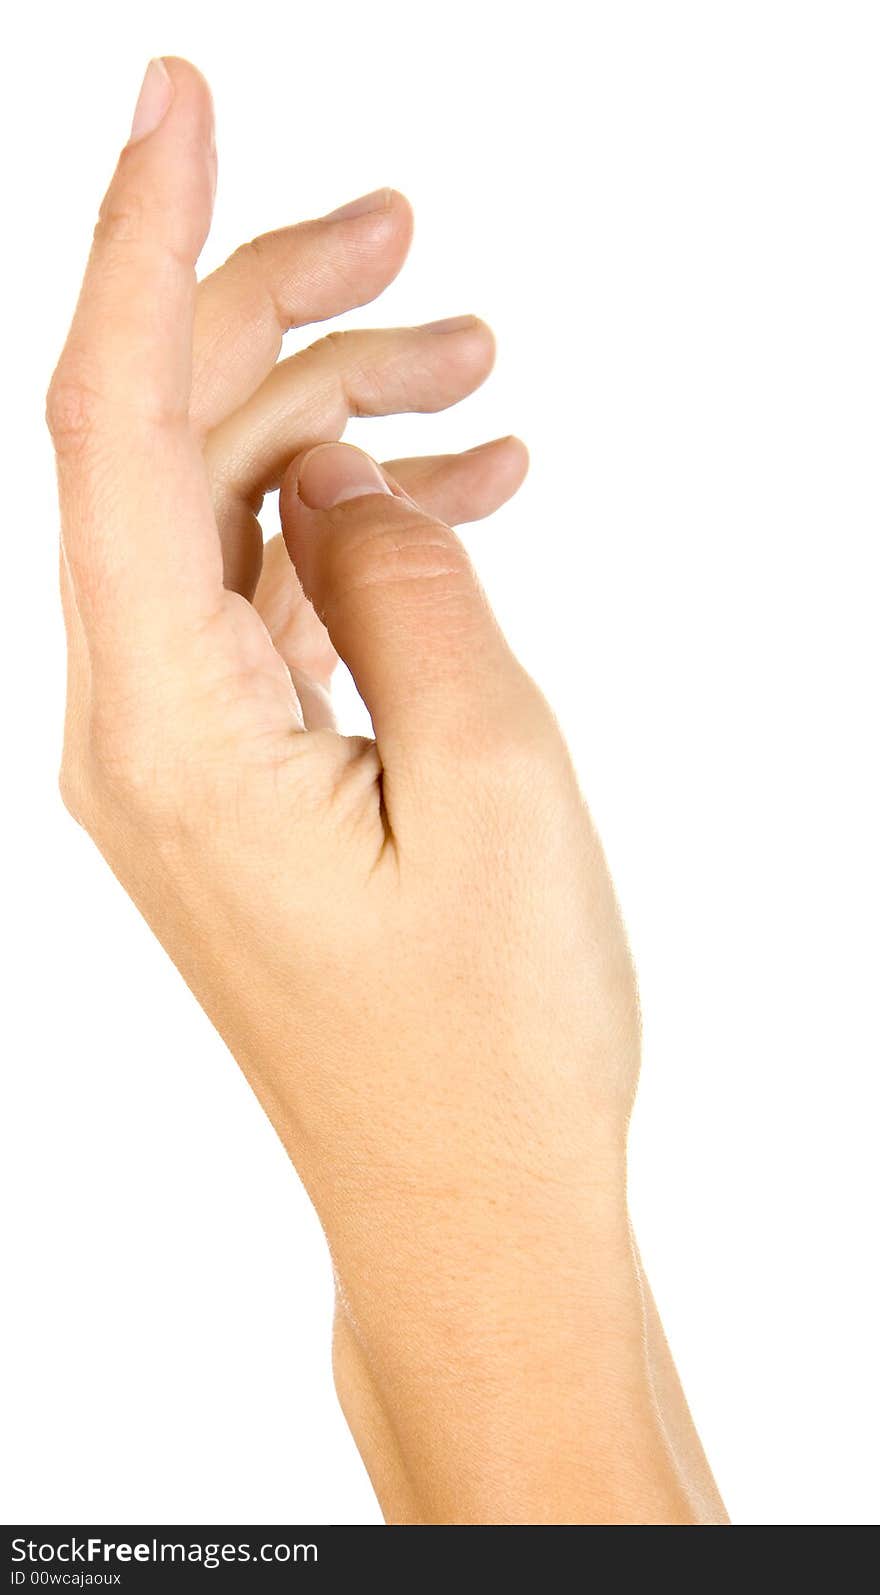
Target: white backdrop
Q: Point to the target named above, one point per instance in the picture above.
(669, 214)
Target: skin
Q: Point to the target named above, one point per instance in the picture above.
(410, 944)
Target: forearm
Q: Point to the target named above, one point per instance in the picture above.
(523, 1390)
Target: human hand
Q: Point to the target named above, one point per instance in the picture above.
(411, 945)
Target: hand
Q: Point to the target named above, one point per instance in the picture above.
(411, 945)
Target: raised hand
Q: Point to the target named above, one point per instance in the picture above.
(411, 944)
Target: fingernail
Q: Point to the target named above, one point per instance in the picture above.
(153, 101)
(334, 472)
(451, 324)
(380, 199)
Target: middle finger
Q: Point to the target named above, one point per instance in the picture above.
(310, 398)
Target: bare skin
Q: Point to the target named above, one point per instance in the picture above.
(411, 943)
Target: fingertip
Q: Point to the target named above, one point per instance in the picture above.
(375, 231)
(505, 463)
(153, 101)
(474, 340)
(186, 77)
(388, 228)
(490, 342)
(515, 469)
(332, 473)
(383, 210)
(490, 475)
(174, 100)
(170, 156)
(192, 92)
(478, 347)
(518, 454)
(402, 212)
(462, 341)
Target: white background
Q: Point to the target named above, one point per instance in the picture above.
(669, 214)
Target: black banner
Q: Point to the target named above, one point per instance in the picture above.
(141, 1558)
(284, 1557)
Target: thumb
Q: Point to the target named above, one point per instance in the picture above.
(402, 604)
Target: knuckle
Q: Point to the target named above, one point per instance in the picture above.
(114, 794)
(126, 773)
(411, 549)
(120, 219)
(246, 258)
(331, 357)
(337, 338)
(71, 408)
(255, 251)
(504, 758)
(73, 792)
(521, 761)
(256, 260)
(130, 766)
(509, 754)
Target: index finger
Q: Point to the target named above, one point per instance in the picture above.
(137, 524)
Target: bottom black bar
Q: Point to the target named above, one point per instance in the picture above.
(170, 1558)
